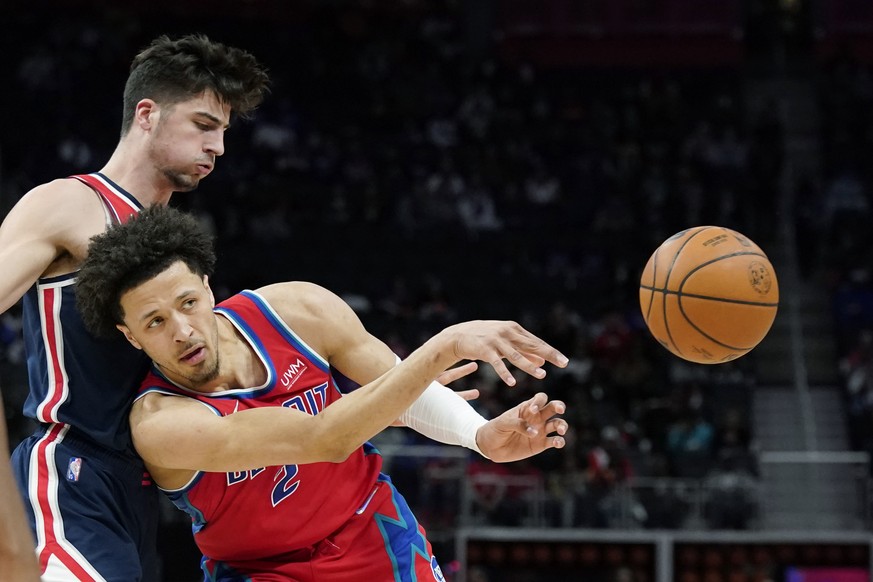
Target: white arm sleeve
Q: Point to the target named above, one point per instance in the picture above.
(440, 414)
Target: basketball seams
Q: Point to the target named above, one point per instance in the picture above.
(682, 294)
(725, 281)
(709, 337)
(717, 259)
(652, 289)
(667, 281)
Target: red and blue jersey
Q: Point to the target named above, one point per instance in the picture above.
(77, 379)
(270, 512)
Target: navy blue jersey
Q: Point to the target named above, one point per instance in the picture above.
(75, 378)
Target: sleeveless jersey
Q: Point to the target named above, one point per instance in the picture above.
(268, 513)
(76, 378)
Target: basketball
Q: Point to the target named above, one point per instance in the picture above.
(709, 294)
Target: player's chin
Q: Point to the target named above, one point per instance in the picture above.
(189, 185)
(184, 182)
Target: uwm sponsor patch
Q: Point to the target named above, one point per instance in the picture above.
(293, 373)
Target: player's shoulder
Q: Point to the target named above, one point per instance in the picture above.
(59, 186)
(63, 209)
(294, 300)
(297, 293)
(62, 194)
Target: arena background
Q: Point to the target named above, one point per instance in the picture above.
(440, 161)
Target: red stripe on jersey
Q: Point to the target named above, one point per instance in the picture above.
(44, 480)
(121, 208)
(48, 409)
(42, 494)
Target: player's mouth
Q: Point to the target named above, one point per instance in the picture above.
(194, 356)
(204, 169)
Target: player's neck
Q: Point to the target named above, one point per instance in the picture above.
(240, 364)
(129, 169)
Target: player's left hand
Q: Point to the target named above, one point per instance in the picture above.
(524, 430)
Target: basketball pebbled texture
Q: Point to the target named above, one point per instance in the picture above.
(709, 294)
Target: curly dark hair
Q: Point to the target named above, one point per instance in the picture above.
(129, 254)
(174, 70)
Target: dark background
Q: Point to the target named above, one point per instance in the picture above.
(440, 161)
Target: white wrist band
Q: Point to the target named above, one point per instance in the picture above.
(440, 414)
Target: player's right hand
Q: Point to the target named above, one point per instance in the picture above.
(493, 342)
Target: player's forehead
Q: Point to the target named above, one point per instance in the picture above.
(207, 104)
(161, 291)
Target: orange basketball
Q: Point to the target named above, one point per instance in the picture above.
(709, 294)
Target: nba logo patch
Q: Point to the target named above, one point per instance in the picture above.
(74, 468)
(437, 573)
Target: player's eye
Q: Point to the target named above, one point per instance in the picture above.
(154, 322)
(188, 304)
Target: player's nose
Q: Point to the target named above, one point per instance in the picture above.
(182, 329)
(215, 144)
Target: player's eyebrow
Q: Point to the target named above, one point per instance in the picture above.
(212, 118)
(180, 297)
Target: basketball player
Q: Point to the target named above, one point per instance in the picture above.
(17, 562)
(91, 506)
(241, 422)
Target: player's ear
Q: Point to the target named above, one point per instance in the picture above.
(145, 115)
(126, 331)
(208, 288)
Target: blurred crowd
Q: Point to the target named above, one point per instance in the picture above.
(427, 187)
(838, 212)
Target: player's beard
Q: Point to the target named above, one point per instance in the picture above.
(210, 372)
(209, 369)
(182, 182)
(203, 374)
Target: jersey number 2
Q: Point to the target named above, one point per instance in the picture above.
(285, 485)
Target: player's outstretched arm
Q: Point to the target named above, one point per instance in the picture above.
(174, 434)
(439, 414)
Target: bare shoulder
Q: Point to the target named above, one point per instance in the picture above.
(299, 298)
(318, 316)
(63, 192)
(63, 208)
(46, 233)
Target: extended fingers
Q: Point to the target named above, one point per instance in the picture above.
(557, 425)
(453, 374)
(498, 342)
(471, 394)
(502, 371)
(525, 364)
(540, 414)
(538, 349)
(531, 408)
(540, 408)
(556, 442)
(553, 408)
(552, 435)
(508, 350)
(535, 359)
